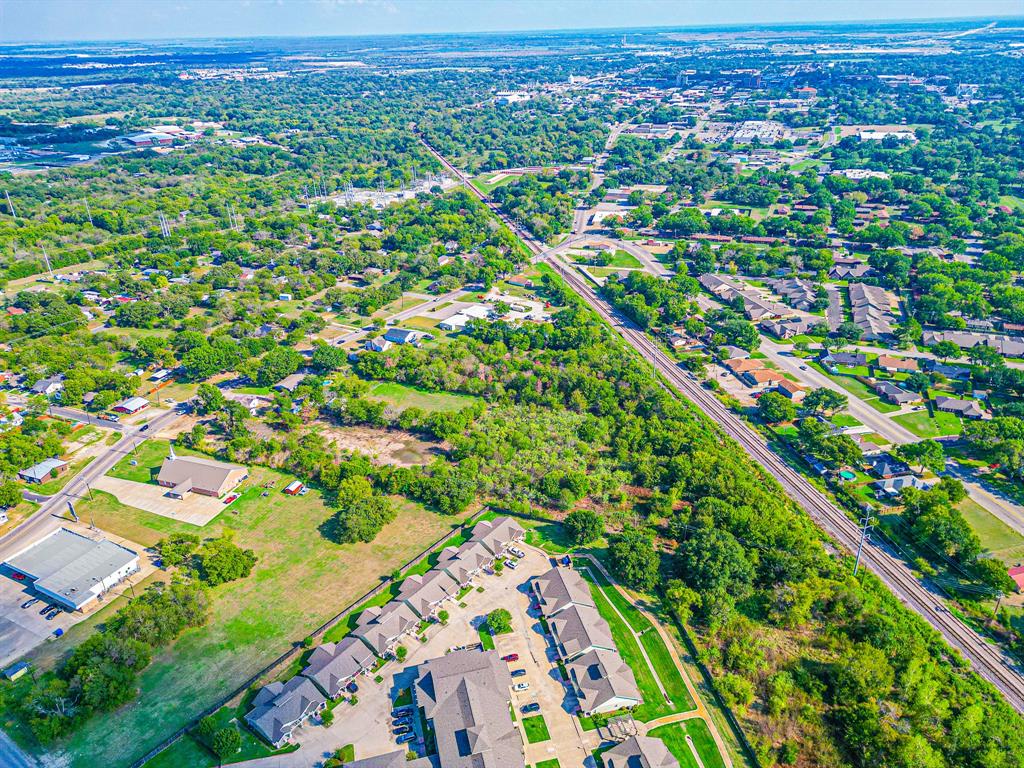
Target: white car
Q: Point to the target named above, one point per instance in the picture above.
(521, 687)
(510, 563)
(517, 552)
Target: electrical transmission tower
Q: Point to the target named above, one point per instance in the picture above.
(165, 229)
(865, 531)
(10, 204)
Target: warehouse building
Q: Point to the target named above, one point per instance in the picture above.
(73, 570)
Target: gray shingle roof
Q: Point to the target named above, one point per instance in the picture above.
(333, 665)
(601, 676)
(466, 695)
(497, 534)
(380, 627)
(640, 752)
(279, 707)
(423, 593)
(579, 628)
(466, 561)
(205, 474)
(560, 588)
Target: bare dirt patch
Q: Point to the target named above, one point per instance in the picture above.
(386, 446)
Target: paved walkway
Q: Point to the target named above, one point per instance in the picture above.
(701, 710)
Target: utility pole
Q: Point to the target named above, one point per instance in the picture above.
(46, 258)
(866, 526)
(10, 204)
(88, 212)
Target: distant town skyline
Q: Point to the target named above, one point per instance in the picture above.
(92, 20)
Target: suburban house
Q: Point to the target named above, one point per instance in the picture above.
(885, 466)
(378, 344)
(792, 390)
(332, 666)
(848, 268)
(465, 562)
(579, 629)
(1008, 346)
(382, 628)
(741, 365)
(955, 372)
(847, 359)
(796, 292)
(290, 383)
(603, 682)
(968, 409)
(498, 534)
(896, 364)
(789, 327)
(403, 336)
(762, 378)
(896, 395)
(872, 310)
(43, 471)
(203, 476)
(279, 708)
(639, 752)
(425, 594)
(755, 306)
(49, 386)
(465, 696)
(559, 589)
(891, 487)
(131, 405)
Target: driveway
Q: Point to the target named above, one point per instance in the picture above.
(194, 509)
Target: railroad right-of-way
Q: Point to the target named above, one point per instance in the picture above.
(989, 661)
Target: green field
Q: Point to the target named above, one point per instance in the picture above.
(553, 763)
(674, 736)
(624, 259)
(147, 457)
(924, 425)
(536, 729)
(996, 536)
(252, 620)
(53, 485)
(402, 397)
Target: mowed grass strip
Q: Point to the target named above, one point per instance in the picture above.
(536, 729)
(674, 735)
(657, 651)
(300, 581)
(654, 705)
(402, 397)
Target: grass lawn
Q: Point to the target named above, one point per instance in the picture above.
(996, 536)
(536, 729)
(657, 651)
(857, 389)
(623, 258)
(486, 640)
(147, 457)
(553, 763)
(924, 425)
(252, 620)
(405, 302)
(188, 751)
(404, 397)
(253, 390)
(654, 705)
(674, 736)
(551, 537)
(845, 420)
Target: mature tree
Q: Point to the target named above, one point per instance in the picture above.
(220, 560)
(584, 526)
(10, 494)
(825, 400)
(926, 453)
(634, 559)
(712, 559)
(499, 621)
(176, 549)
(226, 742)
(945, 350)
(773, 408)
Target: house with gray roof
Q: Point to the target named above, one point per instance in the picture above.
(896, 395)
(561, 588)
(43, 471)
(465, 696)
(332, 666)
(891, 487)
(639, 752)
(603, 682)
(465, 562)
(498, 534)
(425, 594)
(382, 627)
(279, 708)
(579, 629)
(49, 386)
(968, 409)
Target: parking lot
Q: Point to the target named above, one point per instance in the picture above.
(367, 724)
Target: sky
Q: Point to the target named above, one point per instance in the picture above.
(77, 20)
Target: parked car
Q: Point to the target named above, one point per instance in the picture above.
(352, 687)
(405, 738)
(521, 687)
(400, 721)
(47, 608)
(518, 672)
(511, 657)
(517, 552)
(400, 730)
(531, 707)
(399, 711)
(30, 602)
(144, 428)
(511, 563)
(57, 610)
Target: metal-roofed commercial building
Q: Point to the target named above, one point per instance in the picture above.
(203, 476)
(43, 471)
(466, 697)
(73, 570)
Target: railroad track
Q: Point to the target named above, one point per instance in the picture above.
(989, 661)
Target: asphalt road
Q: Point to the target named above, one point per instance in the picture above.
(55, 509)
(989, 661)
